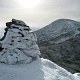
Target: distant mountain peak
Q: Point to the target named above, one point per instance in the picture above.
(60, 42)
(57, 28)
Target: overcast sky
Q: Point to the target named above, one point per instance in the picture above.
(38, 13)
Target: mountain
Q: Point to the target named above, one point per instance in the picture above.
(41, 69)
(65, 28)
(20, 57)
(60, 42)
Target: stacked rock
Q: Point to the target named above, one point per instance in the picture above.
(19, 45)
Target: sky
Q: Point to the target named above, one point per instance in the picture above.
(38, 13)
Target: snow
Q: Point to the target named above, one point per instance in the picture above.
(77, 75)
(41, 69)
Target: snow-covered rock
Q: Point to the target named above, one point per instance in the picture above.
(19, 45)
(40, 69)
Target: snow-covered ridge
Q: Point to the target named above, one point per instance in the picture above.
(58, 28)
(40, 69)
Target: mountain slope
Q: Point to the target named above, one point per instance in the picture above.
(41, 69)
(60, 42)
(59, 28)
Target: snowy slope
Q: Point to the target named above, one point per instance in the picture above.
(40, 69)
(59, 30)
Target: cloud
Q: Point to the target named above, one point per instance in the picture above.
(61, 5)
(5, 4)
(43, 14)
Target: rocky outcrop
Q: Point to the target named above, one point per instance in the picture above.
(60, 42)
(19, 45)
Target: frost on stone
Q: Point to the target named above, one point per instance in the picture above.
(19, 45)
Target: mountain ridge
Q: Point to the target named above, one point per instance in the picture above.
(60, 42)
(57, 28)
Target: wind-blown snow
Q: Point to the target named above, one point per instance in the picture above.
(40, 69)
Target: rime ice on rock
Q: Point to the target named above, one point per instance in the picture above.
(19, 45)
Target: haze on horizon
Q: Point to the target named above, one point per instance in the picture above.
(38, 13)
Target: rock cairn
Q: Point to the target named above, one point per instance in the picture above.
(19, 45)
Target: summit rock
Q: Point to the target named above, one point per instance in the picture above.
(19, 45)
